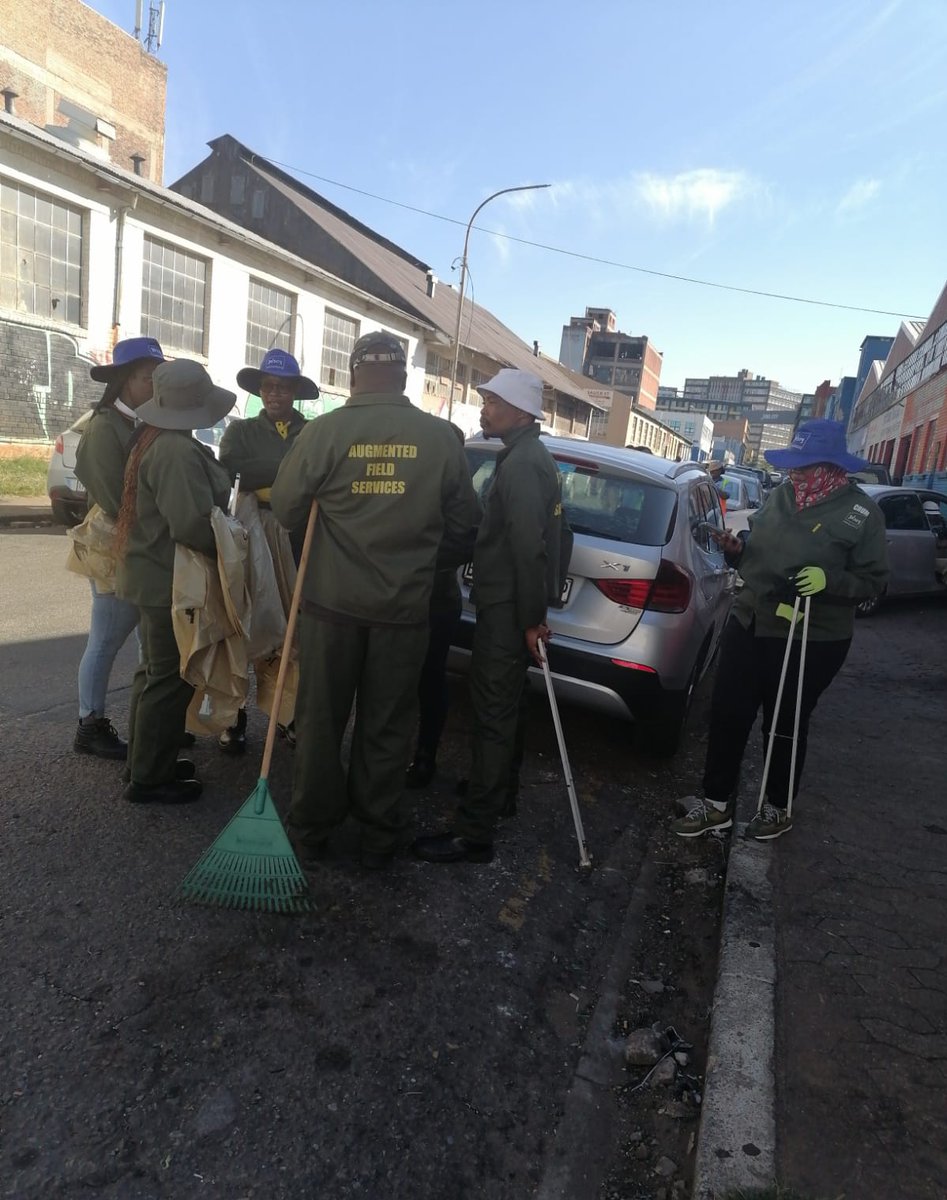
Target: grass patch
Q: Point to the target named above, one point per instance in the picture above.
(24, 476)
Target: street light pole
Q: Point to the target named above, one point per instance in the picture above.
(528, 187)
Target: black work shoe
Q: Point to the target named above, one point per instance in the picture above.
(96, 735)
(310, 855)
(450, 847)
(181, 791)
(187, 739)
(289, 733)
(234, 739)
(183, 769)
(375, 860)
(421, 771)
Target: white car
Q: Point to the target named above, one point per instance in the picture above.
(67, 496)
(739, 507)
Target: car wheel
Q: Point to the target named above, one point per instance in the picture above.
(868, 608)
(63, 513)
(660, 734)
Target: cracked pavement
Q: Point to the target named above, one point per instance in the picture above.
(860, 892)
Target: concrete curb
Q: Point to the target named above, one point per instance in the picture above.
(736, 1146)
(12, 513)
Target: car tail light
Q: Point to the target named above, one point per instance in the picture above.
(669, 591)
(672, 589)
(633, 593)
(58, 447)
(633, 666)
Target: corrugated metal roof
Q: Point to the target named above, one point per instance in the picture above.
(405, 275)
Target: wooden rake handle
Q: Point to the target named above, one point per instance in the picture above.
(288, 643)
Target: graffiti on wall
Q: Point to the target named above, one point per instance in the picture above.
(44, 381)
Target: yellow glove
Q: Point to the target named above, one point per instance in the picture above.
(785, 613)
(810, 580)
(263, 494)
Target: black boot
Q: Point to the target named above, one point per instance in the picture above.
(96, 735)
(234, 739)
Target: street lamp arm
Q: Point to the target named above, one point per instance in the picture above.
(526, 187)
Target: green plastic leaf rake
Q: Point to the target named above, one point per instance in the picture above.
(251, 865)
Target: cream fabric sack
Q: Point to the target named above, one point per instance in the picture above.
(92, 550)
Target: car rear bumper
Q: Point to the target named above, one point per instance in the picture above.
(593, 681)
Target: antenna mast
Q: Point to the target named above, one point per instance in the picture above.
(155, 35)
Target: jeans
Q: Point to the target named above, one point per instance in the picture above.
(112, 621)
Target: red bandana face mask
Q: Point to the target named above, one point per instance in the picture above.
(815, 483)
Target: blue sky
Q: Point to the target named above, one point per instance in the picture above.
(790, 147)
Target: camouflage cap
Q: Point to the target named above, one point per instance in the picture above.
(379, 347)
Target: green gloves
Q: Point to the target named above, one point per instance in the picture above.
(810, 580)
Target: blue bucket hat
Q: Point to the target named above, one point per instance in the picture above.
(126, 352)
(816, 441)
(277, 362)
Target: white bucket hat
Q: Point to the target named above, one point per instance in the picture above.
(184, 397)
(522, 389)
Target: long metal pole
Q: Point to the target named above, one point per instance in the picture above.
(528, 187)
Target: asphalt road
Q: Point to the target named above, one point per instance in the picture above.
(416, 1036)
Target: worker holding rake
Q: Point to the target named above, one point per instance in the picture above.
(820, 540)
(391, 483)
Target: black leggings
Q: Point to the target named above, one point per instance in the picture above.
(748, 676)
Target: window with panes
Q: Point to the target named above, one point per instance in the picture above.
(173, 295)
(339, 336)
(40, 254)
(269, 321)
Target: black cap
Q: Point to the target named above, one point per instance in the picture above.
(379, 347)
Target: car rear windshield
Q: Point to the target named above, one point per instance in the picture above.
(597, 501)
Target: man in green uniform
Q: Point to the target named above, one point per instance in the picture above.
(392, 482)
(254, 448)
(516, 578)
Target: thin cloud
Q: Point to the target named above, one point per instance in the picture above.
(862, 192)
(694, 195)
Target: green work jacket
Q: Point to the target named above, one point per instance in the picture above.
(100, 458)
(392, 482)
(179, 482)
(254, 449)
(516, 557)
(843, 534)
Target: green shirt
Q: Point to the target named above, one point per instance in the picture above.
(179, 482)
(100, 458)
(843, 534)
(254, 449)
(391, 482)
(516, 557)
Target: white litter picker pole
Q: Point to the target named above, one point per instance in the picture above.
(779, 700)
(584, 860)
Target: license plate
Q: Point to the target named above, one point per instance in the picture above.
(467, 578)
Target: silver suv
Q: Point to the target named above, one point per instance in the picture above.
(647, 592)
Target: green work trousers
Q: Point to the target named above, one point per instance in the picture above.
(160, 697)
(377, 668)
(498, 668)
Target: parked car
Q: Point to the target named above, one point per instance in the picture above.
(761, 476)
(739, 506)
(916, 533)
(647, 592)
(67, 496)
(871, 473)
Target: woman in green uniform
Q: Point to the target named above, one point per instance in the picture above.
(254, 448)
(100, 465)
(172, 482)
(818, 536)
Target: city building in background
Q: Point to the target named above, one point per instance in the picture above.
(900, 415)
(771, 411)
(695, 428)
(68, 70)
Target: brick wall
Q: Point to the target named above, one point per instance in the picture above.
(60, 49)
(44, 382)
